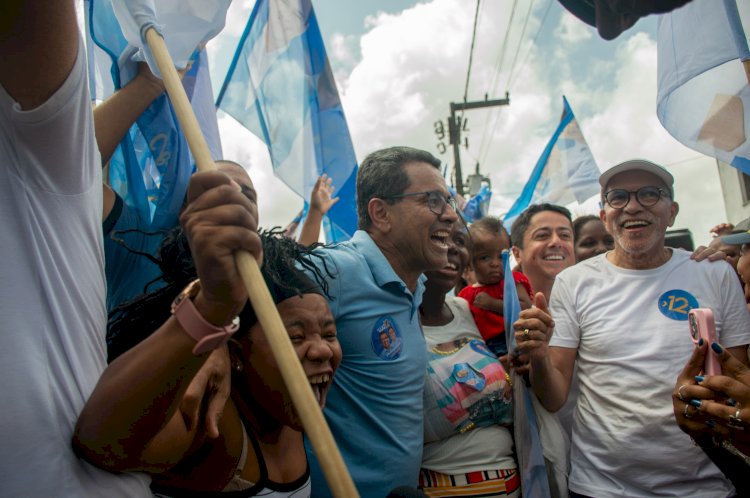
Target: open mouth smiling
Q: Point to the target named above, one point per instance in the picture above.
(634, 224)
(440, 237)
(320, 384)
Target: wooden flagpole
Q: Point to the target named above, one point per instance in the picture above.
(316, 428)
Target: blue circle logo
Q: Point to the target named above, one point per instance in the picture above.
(676, 304)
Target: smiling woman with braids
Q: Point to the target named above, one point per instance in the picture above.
(136, 421)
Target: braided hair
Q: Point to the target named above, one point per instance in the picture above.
(284, 265)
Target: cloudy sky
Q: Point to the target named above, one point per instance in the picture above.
(398, 64)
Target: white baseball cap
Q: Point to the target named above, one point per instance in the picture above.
(638, 165)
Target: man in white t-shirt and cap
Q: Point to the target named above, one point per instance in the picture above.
(622, 316)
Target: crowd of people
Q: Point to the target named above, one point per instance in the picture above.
(137, 366)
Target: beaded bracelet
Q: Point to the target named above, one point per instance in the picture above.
(734, 451)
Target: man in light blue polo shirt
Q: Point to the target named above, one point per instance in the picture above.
(374, 406)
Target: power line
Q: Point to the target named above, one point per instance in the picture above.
(531, 46)
(496, 75)
(520, 40)
(471, 51)
(495, 114)
(504, 47)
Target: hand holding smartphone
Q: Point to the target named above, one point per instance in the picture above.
(701, 321)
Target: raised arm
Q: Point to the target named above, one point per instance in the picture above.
(131, 421)
(114, 116)
(551, 367)
(321, 200)
(38, 47)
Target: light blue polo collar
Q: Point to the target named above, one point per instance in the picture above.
(381, 269)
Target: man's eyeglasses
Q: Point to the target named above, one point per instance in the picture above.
(436, 201)
(646, 196)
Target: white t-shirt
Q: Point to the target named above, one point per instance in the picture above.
(483, 448)
(52, 294)
(631, 331)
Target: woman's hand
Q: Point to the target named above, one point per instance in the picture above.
(687, 416)
(218, 221)
(207, 393)
(729, 406)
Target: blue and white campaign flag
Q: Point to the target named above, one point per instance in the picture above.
(531, 466)
(476, 207)
(152, 165)
(703, 95)
(565, 173)
(184, 24)
(281, 88)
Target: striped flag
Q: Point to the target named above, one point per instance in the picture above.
(152, 165)
(531, 466)
(281, 88)
(703, 95)
(565, 173)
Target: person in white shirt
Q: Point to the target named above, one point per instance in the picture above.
(53, 292)
(622, 317)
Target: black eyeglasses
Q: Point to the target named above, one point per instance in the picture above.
(646, 196)
(436, 202)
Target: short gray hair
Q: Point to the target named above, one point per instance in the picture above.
(382, 175)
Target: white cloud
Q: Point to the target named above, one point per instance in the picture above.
(221, 49)
(340, 48)
(572, 30)
(412, 64)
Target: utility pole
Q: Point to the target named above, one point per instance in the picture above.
(454, 131)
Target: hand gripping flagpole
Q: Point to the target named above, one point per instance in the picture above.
(307, 407)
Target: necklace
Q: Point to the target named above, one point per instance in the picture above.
(458, 343)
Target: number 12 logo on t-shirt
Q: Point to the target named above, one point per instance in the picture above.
(676, 304)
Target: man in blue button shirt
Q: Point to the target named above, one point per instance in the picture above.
(374, 406)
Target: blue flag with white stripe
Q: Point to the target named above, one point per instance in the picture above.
(566, 171)
(531, 466)
(476, 207)
(703, 97)
(151, 167)
(281, 88)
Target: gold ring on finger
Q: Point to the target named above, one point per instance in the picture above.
(526, 334)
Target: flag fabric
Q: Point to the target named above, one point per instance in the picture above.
(565, 173)
(184, 24)
(531, 466)
(152, 165)
(703, 97)
(292, 229)
(476, 207)
(281, 88)
(200, 93)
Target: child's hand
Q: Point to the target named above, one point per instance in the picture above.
(486, 302)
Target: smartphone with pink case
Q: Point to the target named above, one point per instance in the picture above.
(702, 324)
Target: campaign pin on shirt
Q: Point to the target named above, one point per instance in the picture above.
(465, 374)
(386, 338)
(676, 304)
